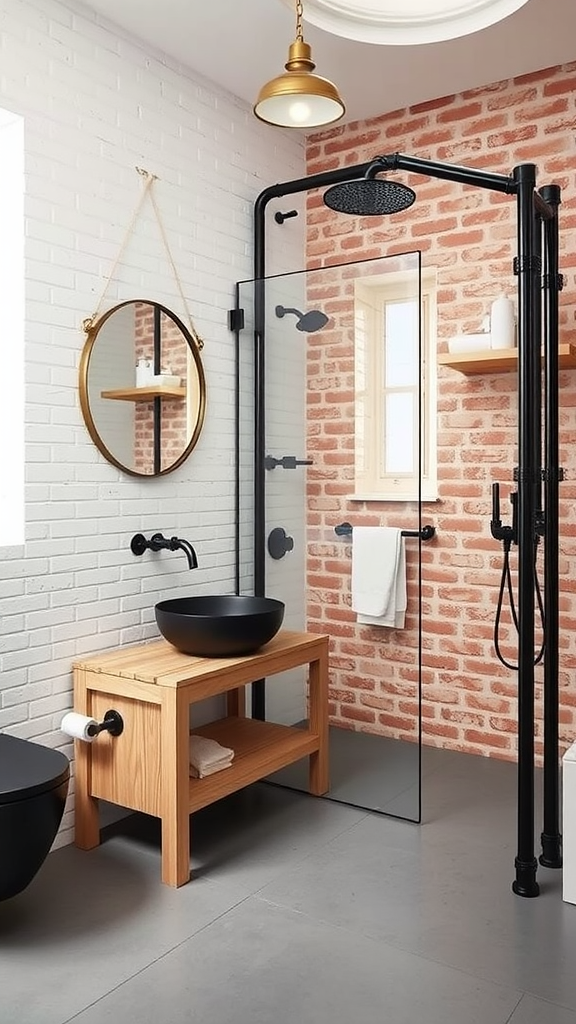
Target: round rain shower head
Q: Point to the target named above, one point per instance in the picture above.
(369, 197)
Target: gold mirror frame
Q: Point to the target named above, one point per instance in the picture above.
(87, 352)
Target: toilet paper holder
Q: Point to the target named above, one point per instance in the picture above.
(82, 727)
(112, 723)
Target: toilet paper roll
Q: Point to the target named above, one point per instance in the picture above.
(79, 726)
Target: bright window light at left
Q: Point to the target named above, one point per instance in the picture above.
(12, 328)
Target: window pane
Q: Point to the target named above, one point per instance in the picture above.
(359, 436)
(399, 434)
(401, 343)
(360, 337)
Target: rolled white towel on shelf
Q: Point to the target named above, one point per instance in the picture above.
(207, 756)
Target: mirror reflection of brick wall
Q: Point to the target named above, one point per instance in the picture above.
(175, 433)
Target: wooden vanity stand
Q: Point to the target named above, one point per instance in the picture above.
(146, 768)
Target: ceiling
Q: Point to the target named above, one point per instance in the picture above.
(240, 44)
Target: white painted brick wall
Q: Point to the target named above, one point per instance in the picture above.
(96, 106)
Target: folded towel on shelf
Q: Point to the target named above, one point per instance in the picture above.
(197, 773)
(379, 576)
(207, 756)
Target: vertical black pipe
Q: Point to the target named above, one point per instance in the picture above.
(551, 839)
(237, 443)
(157, 432)
(420, 474)
(536, 403)
(259, 686)
(525, 883)
(157, 403)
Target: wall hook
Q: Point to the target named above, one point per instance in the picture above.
(281, 217)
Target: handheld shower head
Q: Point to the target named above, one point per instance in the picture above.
(369, 196)
(313, 320)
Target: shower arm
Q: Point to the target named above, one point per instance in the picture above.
(388, 162)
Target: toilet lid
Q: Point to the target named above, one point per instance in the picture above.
(27, 768)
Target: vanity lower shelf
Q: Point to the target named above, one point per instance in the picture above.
(260, 748)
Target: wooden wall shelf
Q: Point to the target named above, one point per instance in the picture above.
(503, 360)
(144, 394)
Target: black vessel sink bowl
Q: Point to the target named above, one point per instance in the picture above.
(219, 627)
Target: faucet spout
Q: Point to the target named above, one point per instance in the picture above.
(176, 543)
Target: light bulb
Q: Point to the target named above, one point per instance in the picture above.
(300, 111)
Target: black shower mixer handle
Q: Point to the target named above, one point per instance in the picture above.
(507, 534)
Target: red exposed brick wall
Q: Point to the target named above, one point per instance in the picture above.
(175, 434)
(469, 235)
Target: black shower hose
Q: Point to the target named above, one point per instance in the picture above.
(506, 581)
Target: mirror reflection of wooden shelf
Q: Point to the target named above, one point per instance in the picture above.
(145, 394)
(500, 360)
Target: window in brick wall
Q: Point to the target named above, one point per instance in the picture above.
(12, 328)
(395, 388)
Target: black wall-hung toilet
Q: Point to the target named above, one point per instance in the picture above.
(33, 789)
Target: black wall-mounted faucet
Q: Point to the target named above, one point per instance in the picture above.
(157, 542)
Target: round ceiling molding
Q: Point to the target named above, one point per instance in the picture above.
(405, 22)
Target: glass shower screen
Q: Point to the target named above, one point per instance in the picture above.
(345, 446)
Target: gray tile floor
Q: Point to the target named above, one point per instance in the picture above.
(300, 910)
(372, 772)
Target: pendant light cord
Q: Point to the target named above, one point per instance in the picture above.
(148, 189)
(299, 16)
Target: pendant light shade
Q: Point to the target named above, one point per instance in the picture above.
(298, 98)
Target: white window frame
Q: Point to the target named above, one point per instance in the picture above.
(371, 296)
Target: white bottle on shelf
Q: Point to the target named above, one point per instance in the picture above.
(502, 323)
(143, 373)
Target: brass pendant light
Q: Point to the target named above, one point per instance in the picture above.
(298, 98)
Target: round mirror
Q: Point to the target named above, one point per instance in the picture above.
(142, 388)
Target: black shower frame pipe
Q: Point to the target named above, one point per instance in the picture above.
(156, 403)
(531, 206)
(551, 838)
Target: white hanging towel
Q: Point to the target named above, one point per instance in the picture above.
(207, 756)
(379, 576)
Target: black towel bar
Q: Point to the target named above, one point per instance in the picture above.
(426, 533)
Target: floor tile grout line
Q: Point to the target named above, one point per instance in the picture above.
(402, 948)
(311, 853)
(507, 1021)
(157, 959)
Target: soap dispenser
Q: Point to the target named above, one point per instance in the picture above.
(502, 323)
